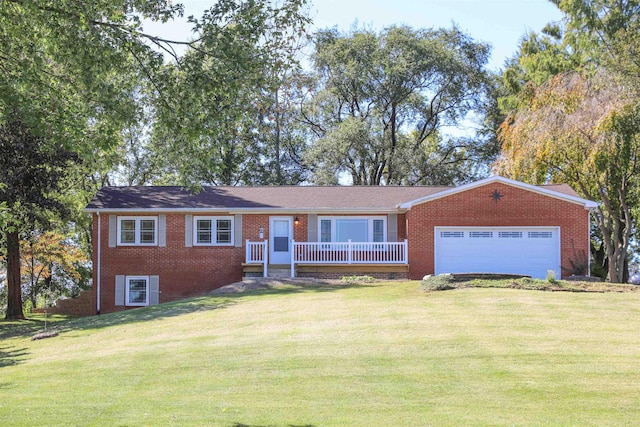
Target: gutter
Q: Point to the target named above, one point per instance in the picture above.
(269, 211)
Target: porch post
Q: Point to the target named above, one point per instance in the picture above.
(349, 250)
(293, 257)
(265, 257)
(405, 254)
(246, 252)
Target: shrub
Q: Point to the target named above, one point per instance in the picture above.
(578, 264)
(440, 282)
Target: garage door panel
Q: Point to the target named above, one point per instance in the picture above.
(513, 250)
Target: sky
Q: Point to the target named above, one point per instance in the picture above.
(501, 23)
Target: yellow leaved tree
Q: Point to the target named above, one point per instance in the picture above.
(52, 266)
(584, 131)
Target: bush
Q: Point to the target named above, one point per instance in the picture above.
(441, 282)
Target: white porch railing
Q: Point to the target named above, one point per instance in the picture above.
(349, 252)
(332, 253)
(258, 253)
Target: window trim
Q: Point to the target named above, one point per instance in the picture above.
(137, 230)
(127, 281)
(370, 227)
(214, 229)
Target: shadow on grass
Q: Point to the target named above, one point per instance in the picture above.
(212, 301)
(10, 356)
(17, 328)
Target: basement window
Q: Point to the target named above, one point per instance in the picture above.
(137, 291)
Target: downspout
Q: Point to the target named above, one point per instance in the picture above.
(589, 242)
(98, 265)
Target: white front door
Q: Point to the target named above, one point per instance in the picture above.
(280, 235)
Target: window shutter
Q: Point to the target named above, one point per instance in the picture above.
(237, 230)
(312, 228)
(188, 231)
(162, 230)
(113, 231)
(119, 290)
(392, 228)
(154, 290)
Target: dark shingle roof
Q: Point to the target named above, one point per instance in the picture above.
(270, 197)
(283, 197)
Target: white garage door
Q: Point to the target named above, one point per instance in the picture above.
(530, 251)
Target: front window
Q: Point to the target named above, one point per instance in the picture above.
(137, 231)
(356, 229)
(211, 231)
(137, 290)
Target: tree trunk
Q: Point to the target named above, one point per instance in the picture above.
(14, 291)
(276, 141)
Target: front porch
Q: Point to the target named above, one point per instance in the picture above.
(330, 260)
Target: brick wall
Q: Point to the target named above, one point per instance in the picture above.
(183, 271)
(476, 207)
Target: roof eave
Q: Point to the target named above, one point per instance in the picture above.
(300, 210)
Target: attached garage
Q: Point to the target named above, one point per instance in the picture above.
(514, 250)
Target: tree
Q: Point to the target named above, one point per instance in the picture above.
(394, 92)
(223, 93)
(53, 265)
(69, 72)
(75, 76)
(608, 31)
(540, 57)
(31, 175)
(596, 38)
(583, 131)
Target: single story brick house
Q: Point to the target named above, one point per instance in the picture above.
(157, 244)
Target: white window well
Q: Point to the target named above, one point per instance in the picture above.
(213, 231)
(137, 290)
(354, 228)
(137, 230)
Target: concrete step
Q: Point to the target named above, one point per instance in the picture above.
(279, 272)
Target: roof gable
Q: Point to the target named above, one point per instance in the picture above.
(558, 191)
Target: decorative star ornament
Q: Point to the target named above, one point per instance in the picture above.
(496, 196)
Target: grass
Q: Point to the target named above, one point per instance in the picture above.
(374, 354)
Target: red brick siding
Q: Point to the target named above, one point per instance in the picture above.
(476, 207)
(183, 271)
(402, 227)
(251, 225)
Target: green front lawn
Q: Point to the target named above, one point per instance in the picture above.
(376, 354)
